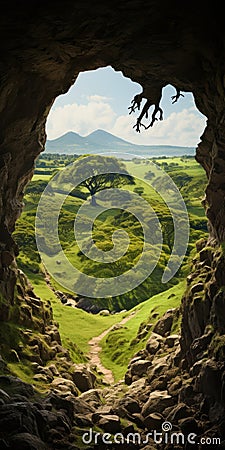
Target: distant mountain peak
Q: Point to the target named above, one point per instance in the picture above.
(99, 131)
(101, 141)
(102, 136)
(68, 133)
(67, 138)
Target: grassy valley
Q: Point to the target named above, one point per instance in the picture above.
(189, 179)
(147, 302)
(118, 347)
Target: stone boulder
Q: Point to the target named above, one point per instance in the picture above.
(93, 398)
(27, 441)
(13, 385)
(174, 386)
(154, 343)
(83, 378)
(159, 367)
(110, 423)
(140, 367)
(130, 404)
(153, 421)
(104, 312)
(63, 386)
(158, 401)
(87, 305)
(188, 425)
(164, 324)
(210, 378)
(180, 411)
(172, 340)
(18, 417)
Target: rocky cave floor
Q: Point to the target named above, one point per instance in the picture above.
(156, 389)
(161, 384)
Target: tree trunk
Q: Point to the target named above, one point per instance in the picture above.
(93, 200)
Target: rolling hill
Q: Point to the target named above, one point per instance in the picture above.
(101, 141)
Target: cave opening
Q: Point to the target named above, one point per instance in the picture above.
(66, 108)
(99, 99)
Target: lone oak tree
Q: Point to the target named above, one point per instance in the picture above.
(99, 173)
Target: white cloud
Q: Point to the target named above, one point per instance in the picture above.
(98, 98)
(82, 119)
(182, 128)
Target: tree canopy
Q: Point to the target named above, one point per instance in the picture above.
(98, 173)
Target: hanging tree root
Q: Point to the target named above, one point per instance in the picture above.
(154, 100)
(176, 97)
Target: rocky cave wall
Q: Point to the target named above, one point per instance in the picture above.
(44, 46)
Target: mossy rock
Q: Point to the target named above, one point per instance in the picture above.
(217, 347)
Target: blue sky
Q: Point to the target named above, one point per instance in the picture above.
(100, 99)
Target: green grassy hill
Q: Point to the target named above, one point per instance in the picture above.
(190, 179)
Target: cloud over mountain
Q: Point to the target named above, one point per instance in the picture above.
(179, 128)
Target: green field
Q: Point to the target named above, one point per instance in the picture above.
(77, 326)
(186, 174)
(41, 177)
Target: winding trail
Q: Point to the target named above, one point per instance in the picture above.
(95, 350)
